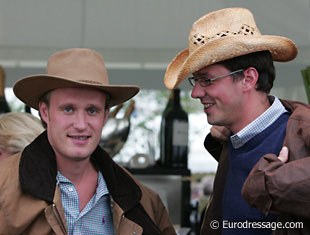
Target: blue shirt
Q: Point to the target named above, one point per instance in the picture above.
(259, 124)
(95, 218)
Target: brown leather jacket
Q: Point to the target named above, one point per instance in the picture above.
(30, 201)
(272, 186)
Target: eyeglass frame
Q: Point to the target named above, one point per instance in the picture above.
(207, 81)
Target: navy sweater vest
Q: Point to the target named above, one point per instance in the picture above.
(241, 161)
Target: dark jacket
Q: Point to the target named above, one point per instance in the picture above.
(30, 201)
(272, 186)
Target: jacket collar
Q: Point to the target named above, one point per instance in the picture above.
(38, 170)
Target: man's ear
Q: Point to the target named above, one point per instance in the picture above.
(250, 78)
(43, 110)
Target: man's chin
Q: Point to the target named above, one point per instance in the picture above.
(211, 120)
(214, 122)
(80, 158)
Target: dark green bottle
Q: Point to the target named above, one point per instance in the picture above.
(4, 106)
(174, 133)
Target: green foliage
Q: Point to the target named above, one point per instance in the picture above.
(306, 77)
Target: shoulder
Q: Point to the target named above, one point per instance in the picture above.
(13, 201)
(9, 178)
(299, 110)
(299, 118)
(9, 169)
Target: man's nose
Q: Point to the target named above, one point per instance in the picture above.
(80, 120)
(197, 91)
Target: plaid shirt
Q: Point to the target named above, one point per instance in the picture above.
(259, 124)
(95, 218)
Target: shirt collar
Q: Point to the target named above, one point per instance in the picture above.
(259, 124)
(122, 187)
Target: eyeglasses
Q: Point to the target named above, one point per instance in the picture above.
(204, 81)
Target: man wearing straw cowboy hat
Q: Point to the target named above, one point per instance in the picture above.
(261, 143)
(63, 182)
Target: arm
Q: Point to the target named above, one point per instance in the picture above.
(276, 186)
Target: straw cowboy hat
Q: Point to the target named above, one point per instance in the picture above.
(222, 35)
(76, 67)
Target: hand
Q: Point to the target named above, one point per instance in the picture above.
(220, 133)
(283, 155)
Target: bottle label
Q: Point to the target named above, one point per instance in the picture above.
(180, 133)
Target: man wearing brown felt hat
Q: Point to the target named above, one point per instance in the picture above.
(261, 142)
(64, 182)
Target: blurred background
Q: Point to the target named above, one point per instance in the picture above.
(138, 38)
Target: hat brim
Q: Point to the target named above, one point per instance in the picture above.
(31, 89)
(185, 63)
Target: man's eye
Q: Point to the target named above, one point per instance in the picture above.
(204, 81)
(196, 80)
(92, 111)
(68, 109)
(207, 81)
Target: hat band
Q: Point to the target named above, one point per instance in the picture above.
(200, 39)
(91, 82)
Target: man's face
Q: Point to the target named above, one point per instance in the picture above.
(222, 99)
(75, 118)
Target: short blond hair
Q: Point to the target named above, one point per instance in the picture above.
(17, 130)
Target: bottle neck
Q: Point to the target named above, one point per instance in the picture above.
(176, 97)
(2, 85)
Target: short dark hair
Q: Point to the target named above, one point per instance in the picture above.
(262, 61)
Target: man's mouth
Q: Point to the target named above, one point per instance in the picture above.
(79, 137)
(208, 105)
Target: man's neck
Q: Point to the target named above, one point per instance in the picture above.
(84, 177)
(252, 109)
(75, 171)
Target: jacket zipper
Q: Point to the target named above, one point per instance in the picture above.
(58, 218)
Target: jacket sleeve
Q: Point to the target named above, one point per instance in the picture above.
(273, 186)
(213, 146)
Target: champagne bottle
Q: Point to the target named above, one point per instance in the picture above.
(174, 134)
(162, 136)
(27, 109)
(4, 106)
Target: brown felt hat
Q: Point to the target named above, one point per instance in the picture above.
(222, 35)
(76, 67)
